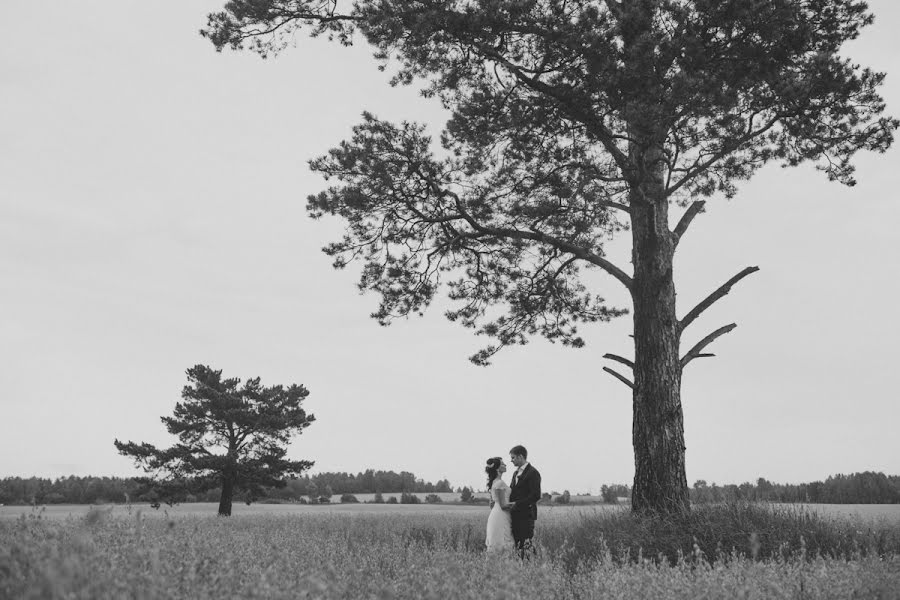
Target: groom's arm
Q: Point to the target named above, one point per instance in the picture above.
(534, 489)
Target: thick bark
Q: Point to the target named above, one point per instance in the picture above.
(227, 494)
(660, 482)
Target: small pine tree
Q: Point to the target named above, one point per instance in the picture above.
(232, 437)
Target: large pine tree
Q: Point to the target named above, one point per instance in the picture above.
(573, 121)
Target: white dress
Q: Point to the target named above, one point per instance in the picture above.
(499, 524)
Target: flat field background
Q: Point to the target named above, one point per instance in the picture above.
(380, 551)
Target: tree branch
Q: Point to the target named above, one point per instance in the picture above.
(539, 236)
(618, 358)
(696, 351)
(606, 137)
(605, 203)
(232, 27)
(685, 221)
(621, 378)
(726, 149)
(716, 295)
(615, 205)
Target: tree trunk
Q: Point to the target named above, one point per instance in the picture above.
(660, 483)
(227, 494)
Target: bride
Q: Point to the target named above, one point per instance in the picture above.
(499, 525)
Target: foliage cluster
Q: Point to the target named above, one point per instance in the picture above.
(612, 493)
(564, 498)
(429, 556)
(567, 121)
(409, 499)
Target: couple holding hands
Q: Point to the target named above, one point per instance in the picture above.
(514, 506)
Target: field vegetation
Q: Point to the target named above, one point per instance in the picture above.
(735, 551)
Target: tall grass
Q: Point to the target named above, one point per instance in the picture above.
(720, 532)
(429, 556)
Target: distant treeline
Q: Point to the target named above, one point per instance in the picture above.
(370, 482)
(857, 488)
(367, 482)
(99, 490)
(65, 490)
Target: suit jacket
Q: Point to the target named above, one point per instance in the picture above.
(526, 493)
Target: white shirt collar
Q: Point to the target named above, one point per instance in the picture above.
(522, 468)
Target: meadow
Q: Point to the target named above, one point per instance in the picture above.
(870, 515)
(434, 551)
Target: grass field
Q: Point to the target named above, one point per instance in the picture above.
(888, 514)
(58, 511)
(412, 551)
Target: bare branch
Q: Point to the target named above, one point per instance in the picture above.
(685, 221)
(716, 295)
(618, 358)
(621, 378)
(696, 351)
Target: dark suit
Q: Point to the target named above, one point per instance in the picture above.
(525, 493)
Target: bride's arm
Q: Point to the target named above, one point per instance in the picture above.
(501, 498)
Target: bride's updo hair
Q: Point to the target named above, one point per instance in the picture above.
(492, 470)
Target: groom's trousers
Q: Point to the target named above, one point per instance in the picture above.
(523, 533)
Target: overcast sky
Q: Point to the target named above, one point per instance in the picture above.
(152, 217)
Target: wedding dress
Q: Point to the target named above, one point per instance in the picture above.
(499, 525)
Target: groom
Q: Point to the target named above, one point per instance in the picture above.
(525, 492)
